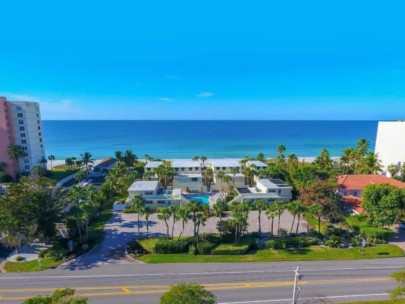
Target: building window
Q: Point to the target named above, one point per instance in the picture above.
(161, 202)
(194, 179)
(38, 122)
(23, 141)
(37, 115)
(39, 128)
(149, 193)
(196, 168)
(26, 161)
(191, 169)
(355, 193)
(22, 134)
(20, 115)
(21, 122)
(27, 167)
(19, 108)
(39, 134)
(218, 168)
(182, 169)
(22, 129)
(40, 140)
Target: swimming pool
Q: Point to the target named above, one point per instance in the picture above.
(202, 198)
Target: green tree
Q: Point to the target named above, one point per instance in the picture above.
(271, 213)
(175, 216)
(118, 155)
(15, 152)
(279, 209)
(60, 296)
(51, 158)
(260, 205)
(87, 159)
(261, 157)
(227, 179)
(164, 215)
(323, 162)
(383, 204)
(147, 211)
(137, 203)
(221, 176)
(183, 215)
(203, 159)
(195, 207)
(219, 207)
(393, 170)
(129, 158)
(370, 164)
(184, 293)
(317, 211)
(398, 292)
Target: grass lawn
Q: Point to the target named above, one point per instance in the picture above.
(378, 302)
(62, 171)
(314, 253)
(32, 265)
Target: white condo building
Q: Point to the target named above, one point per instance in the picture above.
(21, 126)
(390, 143)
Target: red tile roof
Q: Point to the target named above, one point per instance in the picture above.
(354, 203)
(360, 181)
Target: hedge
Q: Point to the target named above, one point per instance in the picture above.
(230, 249)
(285, 242)
(205, 248)
(148, 244)
(377, 233)
(168, 246)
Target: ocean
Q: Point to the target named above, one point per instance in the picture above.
(214, 139)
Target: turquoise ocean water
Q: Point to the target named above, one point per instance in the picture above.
(214, 139)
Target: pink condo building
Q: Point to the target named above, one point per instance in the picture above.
(20, 124)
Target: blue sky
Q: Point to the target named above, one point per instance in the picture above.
(205, 59)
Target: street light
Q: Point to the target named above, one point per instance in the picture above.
(297, 277)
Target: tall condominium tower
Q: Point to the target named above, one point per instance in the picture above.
(20, 124)
(390, 143)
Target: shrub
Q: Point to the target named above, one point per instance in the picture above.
(334, 241)
(356, 240)
(285, 242)
(380, 234)
(249, 239)
(192, 250)
(205, 248)
(230, 249)
(148, 245)
(272, 244)
(136, 248)
(214, 238)
(19, 258)
(168, 246)
(187, 293)
(129, 210)
(85, 247)
(356, 222)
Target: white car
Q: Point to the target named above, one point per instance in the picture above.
(402, 225)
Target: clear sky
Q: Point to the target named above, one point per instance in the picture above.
(205, 59)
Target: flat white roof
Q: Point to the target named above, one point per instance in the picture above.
(236, 175)
(198, 175)
(153, 164)
(256, 163)
(185, 163)
(143, 186)
(224, 163)
(273, 183)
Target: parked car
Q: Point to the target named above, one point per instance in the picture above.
(402, 225)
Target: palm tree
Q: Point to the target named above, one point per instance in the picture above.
(393, 170)
(239, 216)
(281, 149)
(203, 159)
(118, 155)
(271, 214)
(234, 171)
(227, 179)
(148, 175)
(3, 166)
(129, 158)
(301, 209)
(51, 158)
(164, 215)
(201, 219)
(249, 172)
(137, 203)
(174, 210)
(219, 207)
(261, 157)
(147, 211)
(362, 146)
(88, 210)
(221, 176)
(292, 162)
(279, 208)
(194, 207)
(293, 207)
(15, 152)
(260, 205)
(208, 176)
(87, 159)
(317, 211)
(370, 164)
(183, 215)
(196, 158)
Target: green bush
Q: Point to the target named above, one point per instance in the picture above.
(249, 239)
(19, 258)
(289, 241)
(376, 234)
(230, 249)
(129, 210)
(148, 244)
(272, 244)
(168, 246)
(214, 238)
(356, 222)
(205, 248)
(334, 241)
(192, 250)
(136, 248)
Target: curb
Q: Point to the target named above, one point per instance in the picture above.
(128, 256)
(80, 256)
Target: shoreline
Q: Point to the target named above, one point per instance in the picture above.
(307, 159)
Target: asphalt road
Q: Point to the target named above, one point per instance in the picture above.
(234, 283)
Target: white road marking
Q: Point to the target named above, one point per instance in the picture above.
(289, 300)
(303, 270)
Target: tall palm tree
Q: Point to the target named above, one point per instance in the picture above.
(137, 203)
(301, 210)
(260, 205)
(118, 155)
(219, 207)
(208, 176)
(164, 215)
(281, 149)
(221, 176)
(292, 207)
(317, 211)
(362, 146)
(261, 157)
(234, 171)
(196, 158)
(393, 170)
(87, 159)
(51, 158)
(249, 172)
(239, 216)
(271, 213)
(3, 166)
(147, 175)
(370, 164)
(195, 207)
(174, 210)
(227, 179)
(292, 162)
(129, 158)
(279, 209)
(15, 152)
(203, 159)
(183, 215)
(147, 211)
(201, 219)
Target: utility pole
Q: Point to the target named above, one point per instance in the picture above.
(296, 287)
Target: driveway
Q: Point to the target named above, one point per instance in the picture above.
(123, 228)
(399, 238)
